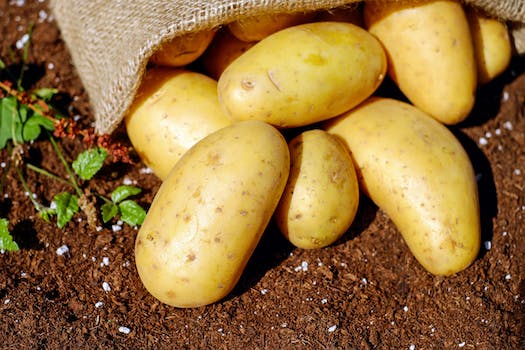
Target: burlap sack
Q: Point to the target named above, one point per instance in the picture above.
(111, 40)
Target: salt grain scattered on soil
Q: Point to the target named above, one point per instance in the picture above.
(507, 125)
(106, 287)
(405, 308)
(332, 328)
(264, 291)
(483, 141)
(507, 276)
(124, 330)
(7, 301)
(127, 181)
(505, 96)
(22, 41)
(146, 171)
(412, 347)
(488, 245)
(105, 261)
(99, 304)
(116, 228)
(62, 250)
(462, 344)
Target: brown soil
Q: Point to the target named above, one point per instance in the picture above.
(365, 292)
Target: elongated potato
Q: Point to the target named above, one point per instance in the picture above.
(414, 169)
(209, 214)
(430, 53)
(183, 50)
(259, 27)
(303, 74)
(321, 197)
(172, 111)
(492, 45)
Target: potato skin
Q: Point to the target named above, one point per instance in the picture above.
(430, 54)
(303, 74)
(256, 28)
(173, 110)
(182, 50)
(321, 197)
(415, 170)
(209, 214)
(492, 44)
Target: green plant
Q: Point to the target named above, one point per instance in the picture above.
(26, 116)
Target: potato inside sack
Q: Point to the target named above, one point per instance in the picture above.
(223, 50)
(492, 45)
(430, 54)
(183, 50)
(415, 170)
(172, 110)
(321, 197)
(210, 212)
(257, 28)
(303, 74)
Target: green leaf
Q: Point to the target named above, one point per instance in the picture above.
(45, 94)
(10, 124)
(46, 214)
(33, 126)
(6, 240)
(89, 162)
(2, 64)
(109, 211)
(66, 207)
(131, 213)
(122, 192)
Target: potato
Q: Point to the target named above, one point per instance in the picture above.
(492, 45)
(303, 74)
(417, 172)
(259, 27)
(430, 54)
(320, 200)
(222, 51)
(173, 110)
(209, 214)
(183, 50)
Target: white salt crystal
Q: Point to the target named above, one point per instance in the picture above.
(124, 330)
(332, 328)
(62, 250)
(106, 287)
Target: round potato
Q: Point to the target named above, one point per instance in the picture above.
(303, 74)
(183, 50)
(321, 197)
(209, 214)
(173, 110)
(492, 45)
(259, 27)
(430, 54)
(415, 170)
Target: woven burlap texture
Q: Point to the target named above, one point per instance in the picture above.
(111, 41)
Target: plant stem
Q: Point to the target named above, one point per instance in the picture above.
(66, 166)
(47, 173)
(37, 205)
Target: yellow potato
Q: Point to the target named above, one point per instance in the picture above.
(222, 51)
(303, 74)
(209, 214)
(183, 50)
(415, 170)
(259, 27)
(492, 45)
(430, 54)
(173, 110)
(320, 200)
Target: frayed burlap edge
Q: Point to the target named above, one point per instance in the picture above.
(111, 41)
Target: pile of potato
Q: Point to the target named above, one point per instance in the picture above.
(213, 109)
